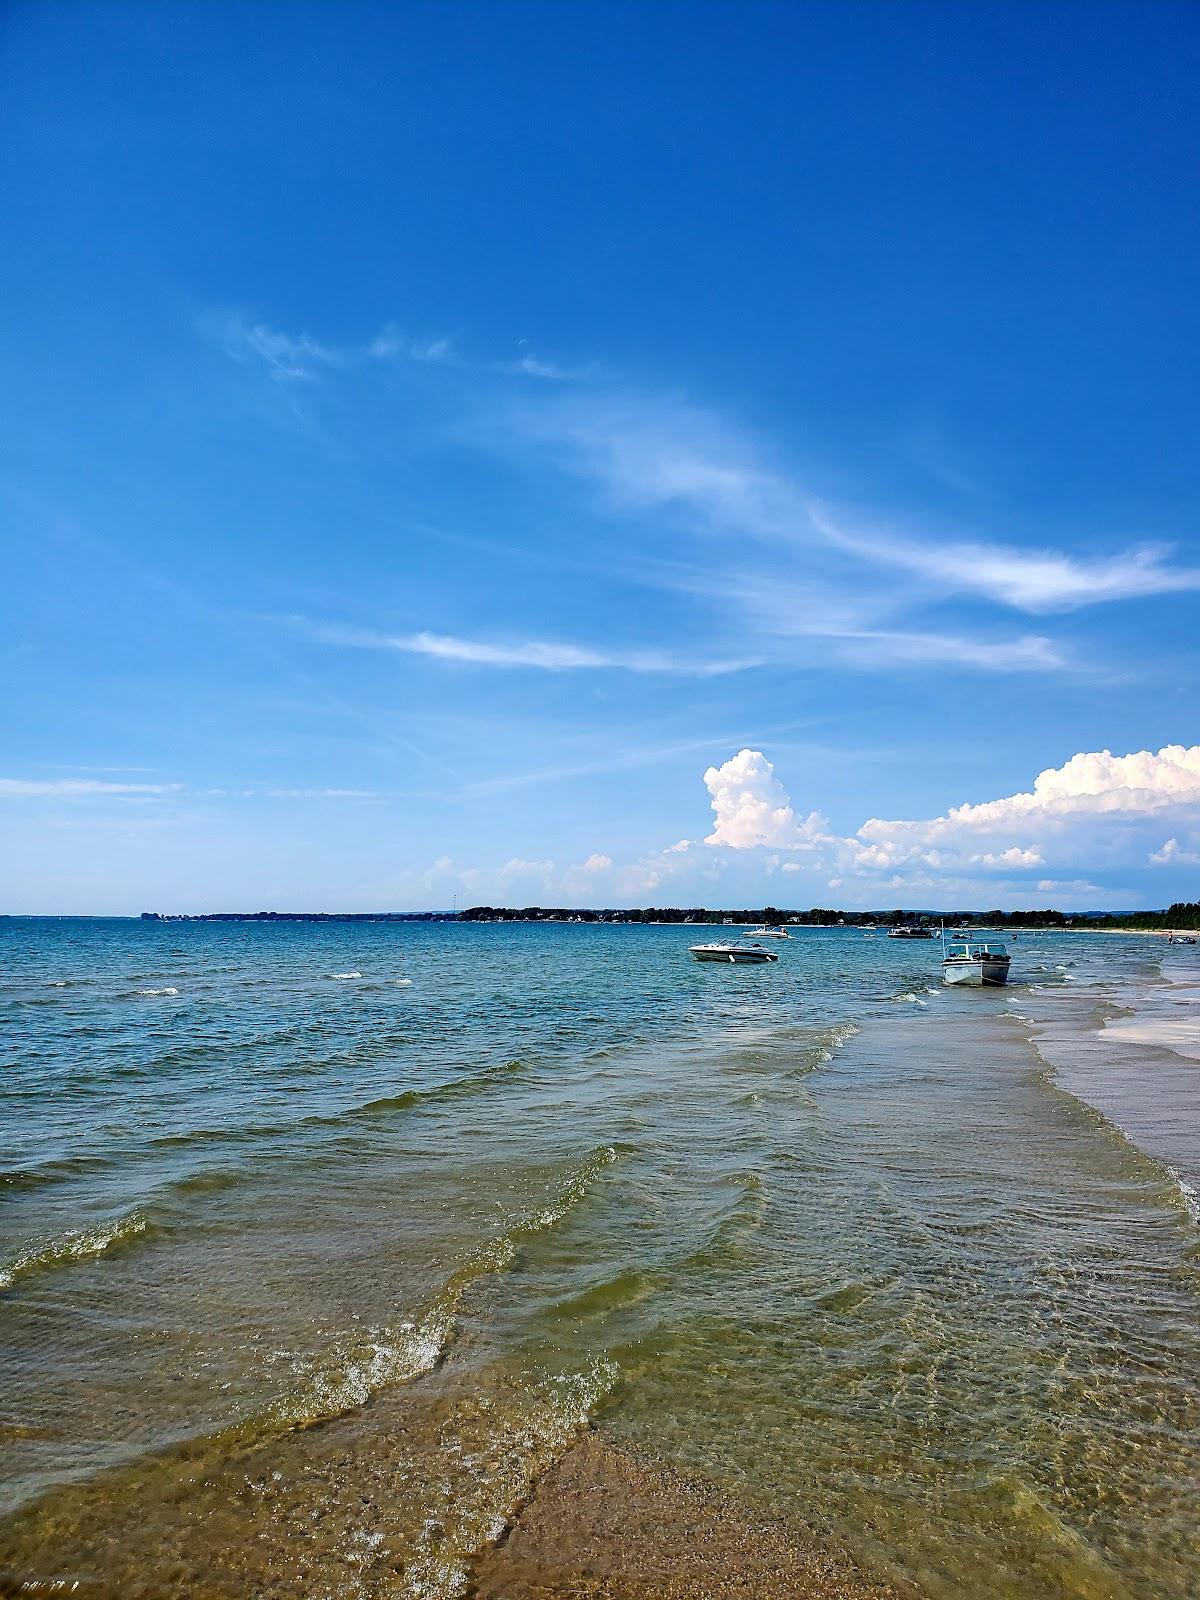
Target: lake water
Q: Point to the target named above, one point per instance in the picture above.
(321, 1244)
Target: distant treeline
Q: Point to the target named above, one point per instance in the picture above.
(1183, 914)
(298, 916)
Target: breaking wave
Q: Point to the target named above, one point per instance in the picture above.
(72, 1247)
(1189, 1193)
(345, 1378)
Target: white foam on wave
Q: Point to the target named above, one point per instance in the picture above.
(838, 1036)
(155, 993)
(402, 983)
(1190, 1193)
(345, 1377)
(488, 1472)
(72, 1247)
(356, 1370)
(344, 977)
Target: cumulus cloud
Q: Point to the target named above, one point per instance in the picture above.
(1094, 789)
(1092, 784)
(752, 807)
(1012, 857)
(1173, 854)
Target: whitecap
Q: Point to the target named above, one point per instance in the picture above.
(342, 977)
(155, 992)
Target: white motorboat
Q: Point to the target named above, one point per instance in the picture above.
(1180, 938)
(740, 950)
(768, 933)
(980, 966)
(908, 930)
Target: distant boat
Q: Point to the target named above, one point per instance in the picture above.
(1180, 938)
(975, 965)
(908, 930)
(739, 951)
(768, 933)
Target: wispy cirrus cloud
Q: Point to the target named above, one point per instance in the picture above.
(76, 788)
(647, 453)
(1027, 579)
(880, 647)
(299, 358)
(539, 654)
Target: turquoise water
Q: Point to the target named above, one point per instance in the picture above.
(910, 1270)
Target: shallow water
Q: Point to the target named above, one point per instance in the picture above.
(905, 1269)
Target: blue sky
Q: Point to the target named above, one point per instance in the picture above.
(605, 454)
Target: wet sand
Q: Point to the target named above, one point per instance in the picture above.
(455, 1486)
(604, 1524)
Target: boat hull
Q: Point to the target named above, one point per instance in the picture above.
(976, 974)
(732, 956)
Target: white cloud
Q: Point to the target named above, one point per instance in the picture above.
(531, 367)
(752, 808)
(540, 654)
(1092, 784)
(1077, 812)
(845, 622)
(320, 794)
(1077, 804)
(1173, 854)
(518, 867)
(878, 647)
(1026, 579)
(1012, 857)
(298, 358)
(1099, 783)
(655, 453)
(75, 788)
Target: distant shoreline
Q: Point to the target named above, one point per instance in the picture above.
(1181, 917)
